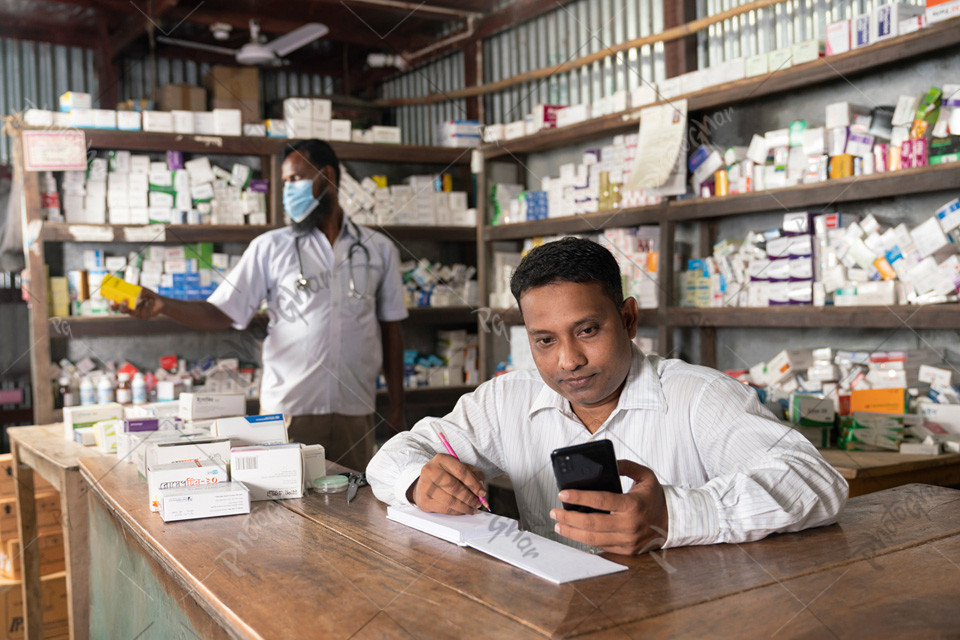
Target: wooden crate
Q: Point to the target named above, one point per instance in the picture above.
(48, 514)
(7, 488)
(55, 622)
(49, 544)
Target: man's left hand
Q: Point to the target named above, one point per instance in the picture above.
(396, 419)
(637, 521)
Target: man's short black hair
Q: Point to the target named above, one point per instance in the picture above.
(318, 152)
(569, 260)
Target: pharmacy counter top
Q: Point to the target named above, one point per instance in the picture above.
(869, 471)
(318, 567)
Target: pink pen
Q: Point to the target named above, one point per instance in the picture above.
(446, 445)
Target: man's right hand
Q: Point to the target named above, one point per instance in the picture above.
(149, 305)
(448, 486)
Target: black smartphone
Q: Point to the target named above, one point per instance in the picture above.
(591, 466)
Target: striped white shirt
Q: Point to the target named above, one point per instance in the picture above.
(730, 471)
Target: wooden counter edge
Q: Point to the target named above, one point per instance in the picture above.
(220, 613)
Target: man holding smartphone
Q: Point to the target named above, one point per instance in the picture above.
(709, 464)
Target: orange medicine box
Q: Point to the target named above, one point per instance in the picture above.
(877, 400)
(119, 291)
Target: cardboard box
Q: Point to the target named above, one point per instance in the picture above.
(56, 623)
(48, 514)
(235, 88)
(185, 97)
(186, 448)
(938, 10)
(945, 415)
(270, 473)
(340, 130)
(48, 544)
(77, 417)
(314, 464)
(877, 400)
(182, 474)
(209, 406)
(838, 37)
(252, 430)
(75, 100)
(206, 501)
(7, 483)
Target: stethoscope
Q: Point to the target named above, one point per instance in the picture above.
(303, 283)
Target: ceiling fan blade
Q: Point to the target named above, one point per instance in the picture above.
(298, 38)
(197, 45)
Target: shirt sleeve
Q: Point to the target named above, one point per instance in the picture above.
(390, 304)
(764, 476)
(243, 290)
(472, 428)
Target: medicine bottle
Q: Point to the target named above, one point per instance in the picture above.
(66, 393)
(88, 394)
(104, 391)
(124, 390)
(139, 389)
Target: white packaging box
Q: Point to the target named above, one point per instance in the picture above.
(495, 132)
(301, 127)
(573, 114)
(85, 436)
(75, 100)
(946, 415)
(199, 170)
(104, 118)
(385, 135)
(321, 109)
(182, 474)
(181, 447)
(38, 118)
(227, 122)
(320, 129)
(128, 120)
(929, 237)
(255, 130)
(183, 121)
(297, 109)
(208, 406)
(82, 118)
(885, 19)
(158, 121)
(204, 123)
(807, 51)
(314, 464)
(80, 417)
(645, 94)
(934, 375)
(105, 434)
(270, 472)
(779, 59)
(691, 81)
(838, 37)
(205, 501)
(787, 363)
(340, 130)
(670, 88)
(251, 430)
(514, 129)
(729, 71)
(757, 65)
(943, 11)
(860, 31)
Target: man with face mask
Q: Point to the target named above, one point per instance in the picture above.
(335, 299)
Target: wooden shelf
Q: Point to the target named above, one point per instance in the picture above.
(938, 36)
(942, 316)
(173, 233)
(260, 146)
(442, 315)
(118, 325)
(432, 396)
(927, 179)
(431, 233)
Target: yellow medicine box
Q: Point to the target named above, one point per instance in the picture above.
(117, 290)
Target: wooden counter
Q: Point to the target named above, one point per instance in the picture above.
(868, 471)
(318, 567)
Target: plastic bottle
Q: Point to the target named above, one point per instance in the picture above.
(50, 198)
(66, 393)
(139, 389)
(150, 380)
(124, 390)
(105, 393)
(88, 394)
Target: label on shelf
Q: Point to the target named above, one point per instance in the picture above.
(146, 233)
(91, 232)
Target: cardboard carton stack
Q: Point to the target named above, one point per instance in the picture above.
(49, 541)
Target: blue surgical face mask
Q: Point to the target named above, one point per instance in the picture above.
(298, 199)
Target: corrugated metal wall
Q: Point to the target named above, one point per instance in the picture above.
(419, 124)
(34, 74)
(772, 28)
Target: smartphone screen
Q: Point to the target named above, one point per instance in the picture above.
(591, 466)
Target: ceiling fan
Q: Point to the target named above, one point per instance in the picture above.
(255, 53)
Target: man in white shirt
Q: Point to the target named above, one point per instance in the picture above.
(334, 295)
(709, 464)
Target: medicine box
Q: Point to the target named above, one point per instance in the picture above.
(182, 474)
(252, 430)
(79, 417)
(204, 501)
(192, 447)
(314, 464)
(208, 406)
(269, 472)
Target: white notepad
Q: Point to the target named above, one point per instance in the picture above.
(501, 538)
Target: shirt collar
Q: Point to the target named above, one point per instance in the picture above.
(642, 390)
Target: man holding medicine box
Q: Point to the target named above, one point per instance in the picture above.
(708, 463)
(334, 295)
